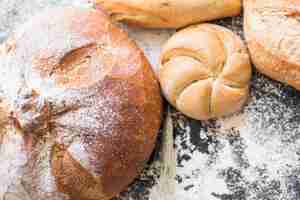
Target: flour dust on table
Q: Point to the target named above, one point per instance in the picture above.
(253, 155)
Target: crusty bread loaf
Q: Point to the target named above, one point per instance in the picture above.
(205, 71)
(169, 13)
(272, 30)
(80, 108)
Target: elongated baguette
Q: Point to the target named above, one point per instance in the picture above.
(169, 13)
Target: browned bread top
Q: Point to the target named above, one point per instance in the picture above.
(82, 107)
(272, 30)
(169, 13)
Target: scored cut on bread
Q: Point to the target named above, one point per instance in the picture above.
(80, 108)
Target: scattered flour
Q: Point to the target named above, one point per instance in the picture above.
(253, 155)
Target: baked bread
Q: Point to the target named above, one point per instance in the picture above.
(205, 71)
(169, 13)
(80, 108)
(272, 30)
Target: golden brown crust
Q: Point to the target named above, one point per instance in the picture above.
(272, 33)
(205, 71)
(168, 13)
(89, 102)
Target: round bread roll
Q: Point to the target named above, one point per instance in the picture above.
(169, 13)
(205, 71)
(272, 30)
(80, 108)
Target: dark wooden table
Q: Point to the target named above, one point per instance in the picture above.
(253, 155)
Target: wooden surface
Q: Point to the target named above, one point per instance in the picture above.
(253, 155)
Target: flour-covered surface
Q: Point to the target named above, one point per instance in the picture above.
(253, 155)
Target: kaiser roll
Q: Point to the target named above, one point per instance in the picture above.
(169, 13)
(272, 30)
(205, 71)
(80, 108)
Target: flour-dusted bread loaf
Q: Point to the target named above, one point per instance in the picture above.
(169, 13)
(205, 71)
(272, 30)
(80, 108)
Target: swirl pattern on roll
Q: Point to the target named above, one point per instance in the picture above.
(205, 71)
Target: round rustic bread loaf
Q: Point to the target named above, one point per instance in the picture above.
(205, 71)
(169, 13)
(80, 108)
(272, 30)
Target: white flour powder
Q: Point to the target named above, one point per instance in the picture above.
(254, 155)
